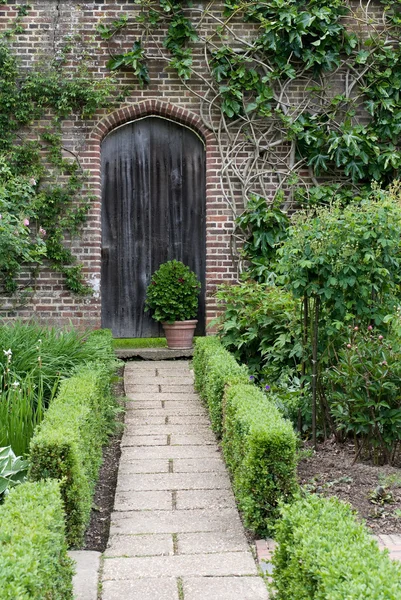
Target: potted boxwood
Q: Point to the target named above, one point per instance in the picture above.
(172, 297)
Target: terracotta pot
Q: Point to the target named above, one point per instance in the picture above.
(179, 334)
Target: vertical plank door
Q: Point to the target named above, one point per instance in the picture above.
(153, 210)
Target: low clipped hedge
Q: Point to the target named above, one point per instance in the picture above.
(259, 444)
(215, 368)
(68, 444)
(259, 447)
(324, 554)
(33, 552)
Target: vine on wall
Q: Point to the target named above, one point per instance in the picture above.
(43, 188)
(308, 90)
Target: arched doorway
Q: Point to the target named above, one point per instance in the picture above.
(153, 210)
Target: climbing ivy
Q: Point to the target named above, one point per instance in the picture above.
(342, 64)
(43, 188)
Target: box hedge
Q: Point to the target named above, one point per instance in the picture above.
(215, 368)
(323, 553)
(259, 444)
(68, 444)
(33, 552)
(259, 447)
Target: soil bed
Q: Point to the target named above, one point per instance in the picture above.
(97, 534)
(330, 472)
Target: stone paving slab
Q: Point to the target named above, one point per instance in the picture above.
(173, 481)
(143, 396)
(131, 428)
(144, 440)
(149, 365)
(225, 588)
(211, 541)
(136, 452)
(145, 466)
(177, 380)
(179, 409)
(140, 388)
(197, 465)
(212, 499)
(177, 521)
(188, 439)
(147, 419)
(176, 389)
(188, 419)
(141, 589)
(87, 565)
(146, 500)
(140, 545)
(218, 564)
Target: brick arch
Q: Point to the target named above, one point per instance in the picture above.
(216, 218)
(148, 108)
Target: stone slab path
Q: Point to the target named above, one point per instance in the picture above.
(175, 531)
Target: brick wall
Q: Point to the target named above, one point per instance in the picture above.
(49, 25)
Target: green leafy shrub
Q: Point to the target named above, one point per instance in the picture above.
(68, 444)
(260, 326)
(215, 368)
(13, 470)
(324, 554)
(259, 447)
(265, 227)
(33, 551)
(365, 396)
(173, 293)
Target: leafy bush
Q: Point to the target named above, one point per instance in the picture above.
(33, 552)
(260, 326)
(68, 444)
(365, 397)
(173, 293)
(324, 554)
(13, 470)
(265, 227)
(215, 368)
(260, 450)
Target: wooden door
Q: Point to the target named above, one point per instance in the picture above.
(153, 210)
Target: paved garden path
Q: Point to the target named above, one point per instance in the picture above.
(175, 531)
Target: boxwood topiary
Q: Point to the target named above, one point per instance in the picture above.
(33, 552)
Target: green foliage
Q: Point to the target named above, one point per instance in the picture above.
(33, 551)
(41, 191)
(68, 444)
(348, 257)
(260, 325)
(22, 407)
(215, 369)
(13, 470)
(301, 40)
(134, 60)
(173, 293)
(260, 450)
(265, 228)
(48, 354)
(122, 343)
(17, 210)
(323, 553)
(365, 395)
